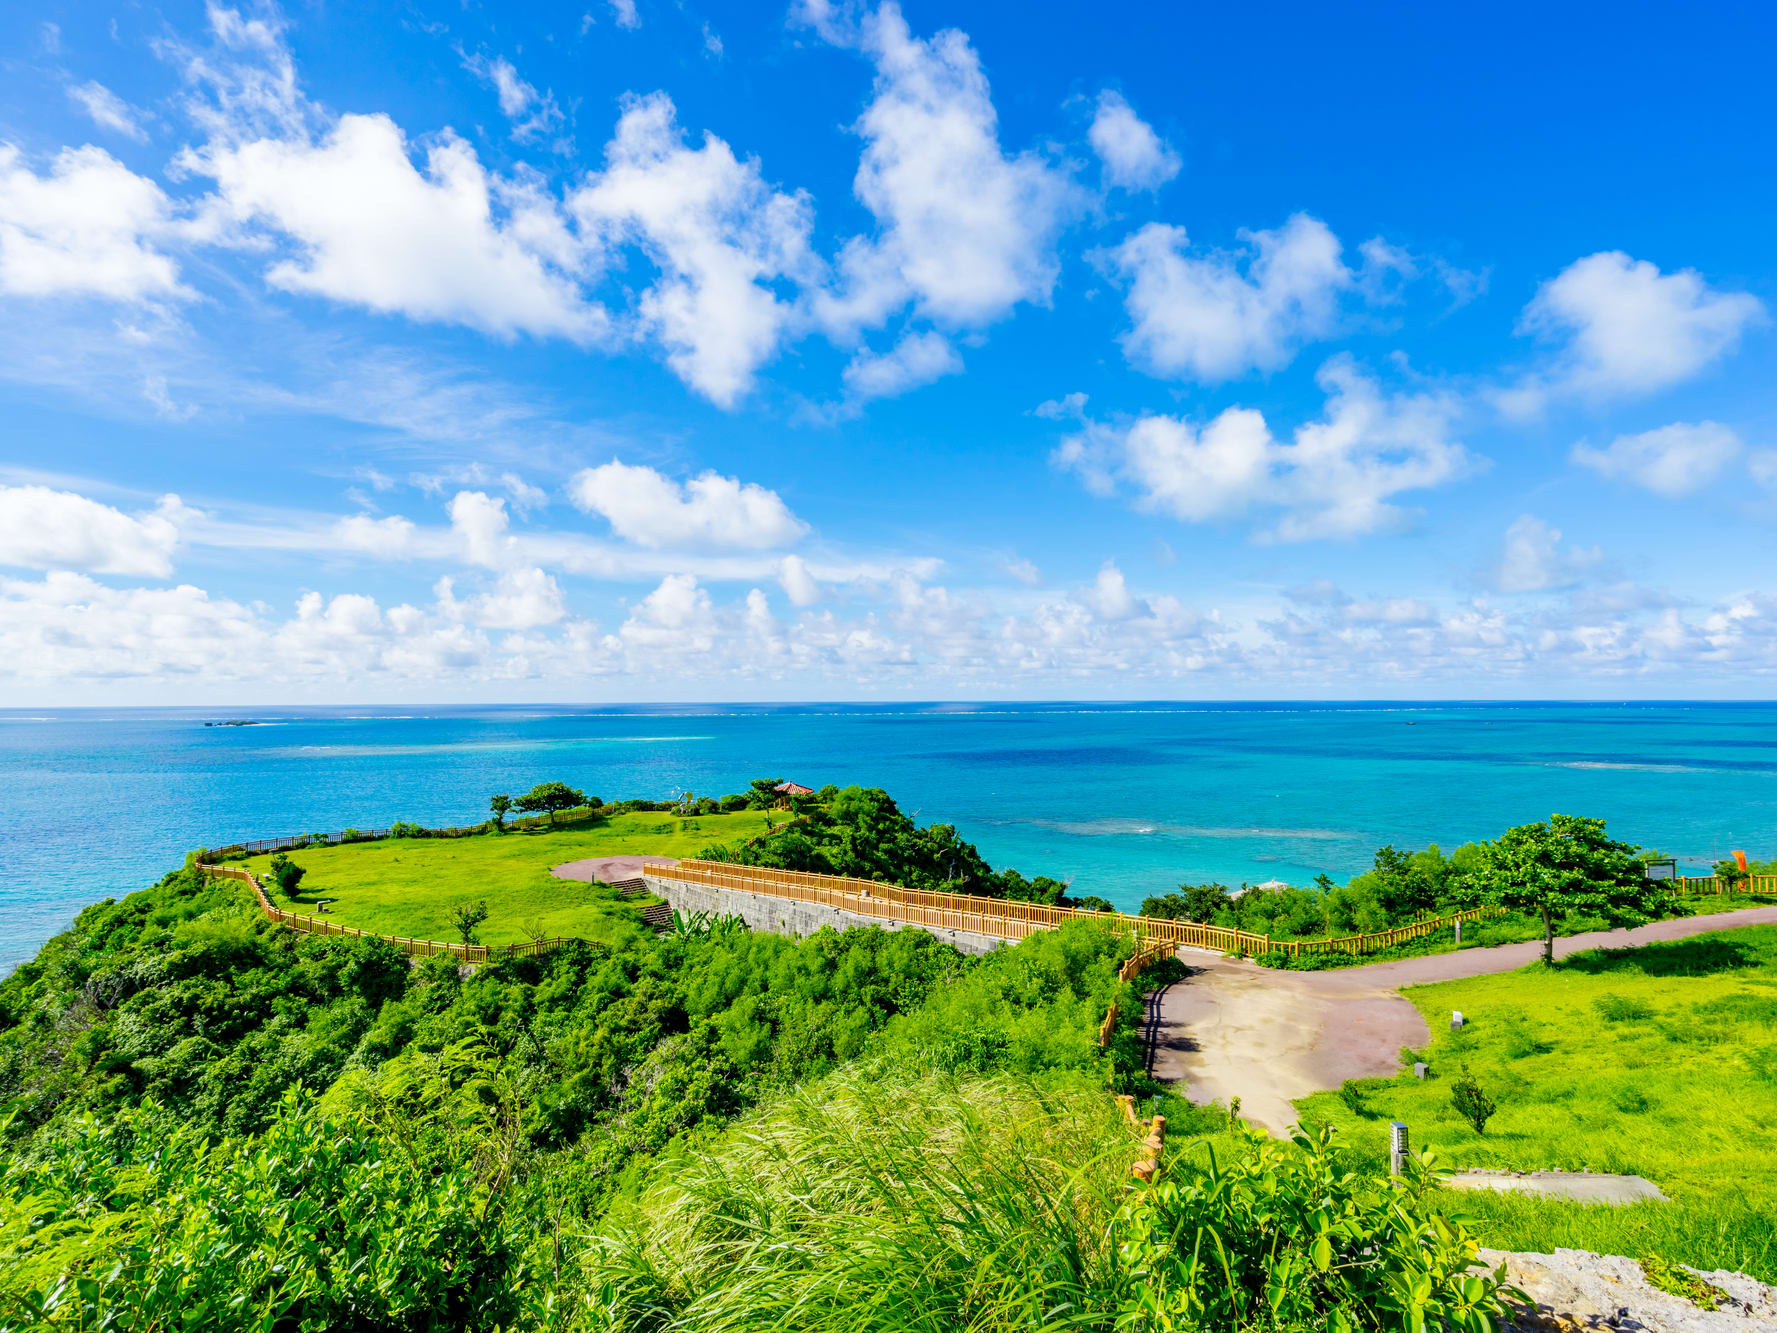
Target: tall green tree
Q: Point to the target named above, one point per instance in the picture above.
(285, 873)
(500, 805)
(468, 918)
(551, 798)
(1562, 866)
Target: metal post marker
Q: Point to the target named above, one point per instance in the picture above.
(1397, 1147)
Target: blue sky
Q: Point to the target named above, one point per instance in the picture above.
(646, 351)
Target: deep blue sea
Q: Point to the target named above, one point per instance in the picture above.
(1123, 799)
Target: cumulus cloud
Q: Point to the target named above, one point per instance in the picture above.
(1134, 157)
(1673, 461)
(522, 599)
(1336, 477)
(106, 109)
(624, 12)
(918, 359)
(798, 584)
(386, 537)
(709, 510)
(42, 528)
(449, 244)
(1534, 561)
(1623, 328)
(479, 522)
(1202, 318)
(719, 235)
(88, 227)
(965, 231)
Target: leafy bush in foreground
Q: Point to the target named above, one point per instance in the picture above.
(311, 1226)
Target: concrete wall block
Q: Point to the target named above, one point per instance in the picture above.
(785, 916)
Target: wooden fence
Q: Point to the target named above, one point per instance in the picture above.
(1715, 884)
(414, 948)
(1002, 918)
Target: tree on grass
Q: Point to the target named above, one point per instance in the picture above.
(551, 798)
(1471, 1103)
(1566, 865)
(763, 794)
(468, 917)
(285, 873)
(501, 805)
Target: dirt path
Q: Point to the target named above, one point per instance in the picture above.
(1269, 1037)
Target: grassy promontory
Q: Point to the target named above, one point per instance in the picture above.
(410, 886)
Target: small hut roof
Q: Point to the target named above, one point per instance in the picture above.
(793, 789)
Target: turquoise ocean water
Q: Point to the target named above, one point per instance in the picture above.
(1123, 799)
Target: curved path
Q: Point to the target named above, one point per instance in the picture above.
(1266, 1036)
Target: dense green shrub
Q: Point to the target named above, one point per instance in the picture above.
(313, 1225)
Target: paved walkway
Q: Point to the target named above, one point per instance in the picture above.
(1268, 1037)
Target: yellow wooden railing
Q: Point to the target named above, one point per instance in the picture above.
(1715, 884)
(414, 948)
(1003, 918)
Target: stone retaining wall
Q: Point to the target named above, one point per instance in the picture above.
(784, 916)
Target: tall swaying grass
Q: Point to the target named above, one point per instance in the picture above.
(929, 1205)
(994, 1204)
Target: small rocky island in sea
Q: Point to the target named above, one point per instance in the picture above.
(235, 722)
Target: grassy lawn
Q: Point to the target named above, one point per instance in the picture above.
(1659, 1061)
(409, 886)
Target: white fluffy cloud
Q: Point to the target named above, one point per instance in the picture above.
(710, 510)
(918, 359)
(719, 235)
(479, 522)
(1674, 461)
(1202, 318)
(625, 14)
(1625, 328)
(41, 528)
(1335, 478)
(90, 227)
(1533, 560)
(1134, 157)
(107, 110)
(522, 599)
(798, 584)
(965, 231)
(386, 537)
(370, 229)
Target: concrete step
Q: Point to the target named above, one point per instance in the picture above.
(659, 916)
(630, 888)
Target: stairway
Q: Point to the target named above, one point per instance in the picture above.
(659, 917)
(630, 888)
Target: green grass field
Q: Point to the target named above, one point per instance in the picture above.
(409, 886)
(1659, 1061)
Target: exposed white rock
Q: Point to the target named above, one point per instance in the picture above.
(1578, 1290)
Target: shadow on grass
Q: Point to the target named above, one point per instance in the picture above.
(1702, 956)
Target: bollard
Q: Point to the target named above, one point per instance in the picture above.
(1459, 932)
(1397, 1147)
(1419, 1069)
(1456, 1020)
